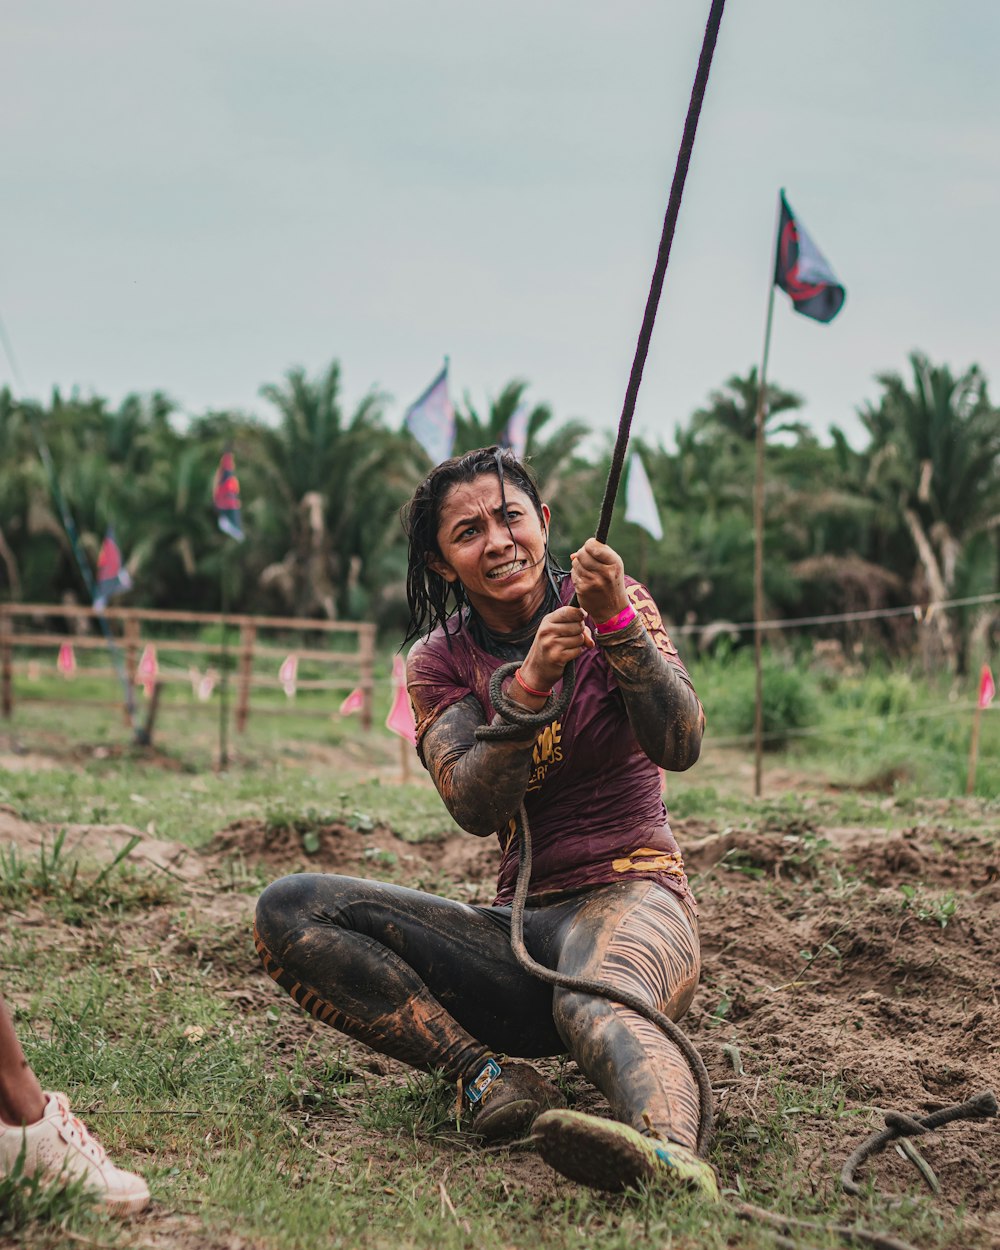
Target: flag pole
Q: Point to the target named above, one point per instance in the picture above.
(224, 660)
(758, 527)
(970, 783)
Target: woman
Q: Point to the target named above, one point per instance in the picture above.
(434, 982)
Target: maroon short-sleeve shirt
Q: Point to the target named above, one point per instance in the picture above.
(594, 799)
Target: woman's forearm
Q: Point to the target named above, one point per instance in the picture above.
(662, 706)
(481, 783)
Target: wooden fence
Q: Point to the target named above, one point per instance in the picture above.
(30, 627)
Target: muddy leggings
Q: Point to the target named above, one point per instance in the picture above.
(434, 983)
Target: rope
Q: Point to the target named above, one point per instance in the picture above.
(982, 1107)
(660, 269)
(515, 720)
(921, 613)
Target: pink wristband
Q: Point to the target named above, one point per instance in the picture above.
(625, 617)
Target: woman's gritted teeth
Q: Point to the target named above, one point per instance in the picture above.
(505, 570)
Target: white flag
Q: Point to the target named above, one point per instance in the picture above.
(431, 420)
(640, 506)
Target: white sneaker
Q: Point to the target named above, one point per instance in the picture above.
(59, 1146)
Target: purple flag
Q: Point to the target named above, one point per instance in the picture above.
(431, 420)
(515, 433)
(112, 575)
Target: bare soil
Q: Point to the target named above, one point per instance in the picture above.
(855, 961)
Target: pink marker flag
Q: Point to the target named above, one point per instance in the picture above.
(987, 689)
(66, 659)
(288, 674)
(400, 719)
(354, 702)
(148, 669)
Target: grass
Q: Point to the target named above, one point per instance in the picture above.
(255, 1126)
(254, 1134)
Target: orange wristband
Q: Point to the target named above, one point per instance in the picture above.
(539, 694)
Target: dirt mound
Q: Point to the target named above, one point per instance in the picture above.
(464, 864)
(862, 963)
(97, 844)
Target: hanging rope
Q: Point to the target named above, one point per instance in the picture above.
(660, 269)
(516, 718)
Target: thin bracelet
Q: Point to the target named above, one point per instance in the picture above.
(619, 621)
(539, 694)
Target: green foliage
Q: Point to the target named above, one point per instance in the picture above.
(27, 1200)
(789, 702)
(54, 875)
(911, 515)
(927, 905)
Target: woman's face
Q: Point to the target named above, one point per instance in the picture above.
(496, 558)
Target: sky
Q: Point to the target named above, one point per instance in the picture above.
(198, 196)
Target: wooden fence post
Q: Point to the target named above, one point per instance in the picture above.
(131, 656)
(6, 663)
(248, 635)
(366, 655)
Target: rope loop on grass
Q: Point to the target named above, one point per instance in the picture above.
(981, 1107)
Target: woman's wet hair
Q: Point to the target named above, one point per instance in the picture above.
(432, 599)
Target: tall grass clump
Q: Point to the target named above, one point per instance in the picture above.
(727, 687)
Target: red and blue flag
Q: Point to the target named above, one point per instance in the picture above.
(112, 576)
(803, 272)
(226, 498)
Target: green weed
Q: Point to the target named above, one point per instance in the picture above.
(34, 1199)
(55, 876)
(926, 905)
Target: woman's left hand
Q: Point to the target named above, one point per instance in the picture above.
(599, 578)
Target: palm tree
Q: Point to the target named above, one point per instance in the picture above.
(327, 475)
(935, 454)
(549, 458)
(731, 412)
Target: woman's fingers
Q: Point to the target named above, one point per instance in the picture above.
(599, 577)
(562, 636)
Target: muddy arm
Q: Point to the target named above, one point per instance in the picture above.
(482, 783)
(662, 707)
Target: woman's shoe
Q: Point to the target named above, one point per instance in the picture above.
(59, 1147)
(606, 1154)
(506, 1099)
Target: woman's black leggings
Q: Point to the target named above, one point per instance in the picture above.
(434, 982)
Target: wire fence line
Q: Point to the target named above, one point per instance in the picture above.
(839, 729)
(921, 613)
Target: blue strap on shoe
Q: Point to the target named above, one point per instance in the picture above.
(478, 1086)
